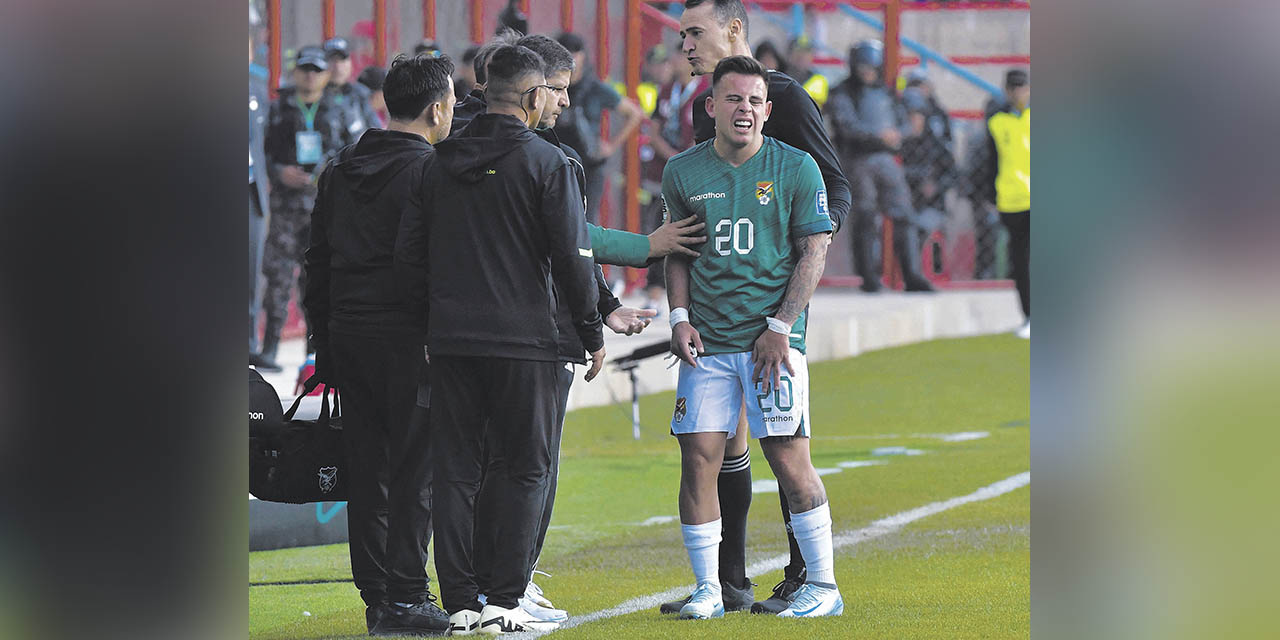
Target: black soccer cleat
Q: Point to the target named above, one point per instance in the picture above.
(422, 619)
(735, 599)
(783, 593)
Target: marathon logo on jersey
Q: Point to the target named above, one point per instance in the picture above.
(706, 196)
(822, 203)
(666, 217)
(764, 192)
(681, 408)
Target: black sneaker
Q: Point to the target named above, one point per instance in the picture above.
(735, 599)
(783, 594)
(423, 619)
(372, 615)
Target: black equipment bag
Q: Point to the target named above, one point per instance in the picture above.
(266, 418)
(305, 461)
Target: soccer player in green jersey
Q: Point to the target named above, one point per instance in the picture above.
(738, 317)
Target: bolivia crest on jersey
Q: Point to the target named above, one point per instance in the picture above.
(764, 192)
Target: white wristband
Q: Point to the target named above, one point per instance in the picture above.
(778, 326)
(678, 315)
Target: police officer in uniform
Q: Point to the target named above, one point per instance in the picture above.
(868, 135)
(304, 130)
(352, 97)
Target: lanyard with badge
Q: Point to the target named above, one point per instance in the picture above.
(307, 142)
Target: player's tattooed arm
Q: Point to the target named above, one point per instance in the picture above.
(804, 279)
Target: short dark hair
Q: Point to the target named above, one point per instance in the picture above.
(510, 63)
(372, 77)
(745, 65)
(726, 10)
(1016, 78)
(414, 83)
(555, 56)
(571, 41)
(503, 38)
(469, 56)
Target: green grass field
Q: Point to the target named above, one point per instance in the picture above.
(963, 572)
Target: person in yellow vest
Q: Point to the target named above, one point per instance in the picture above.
(800, 68)
(1009, 146)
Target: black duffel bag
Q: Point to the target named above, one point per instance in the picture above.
(304, 461)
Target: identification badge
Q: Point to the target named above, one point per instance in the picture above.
(309, 148)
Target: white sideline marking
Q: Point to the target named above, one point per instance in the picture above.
(854, 464)
(769, 485)
(659, 520)
(962, 436)
(895, 451)
(881, 527)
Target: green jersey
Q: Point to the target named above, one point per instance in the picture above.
(753, 215)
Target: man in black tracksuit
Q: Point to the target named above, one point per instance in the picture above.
(505, 222)
(369, 343)
(558, 65)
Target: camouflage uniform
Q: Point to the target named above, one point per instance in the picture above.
(290, 207)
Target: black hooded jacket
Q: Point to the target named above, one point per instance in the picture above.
(503, 220)
(571, 348)
(362, 195)
(466, 110)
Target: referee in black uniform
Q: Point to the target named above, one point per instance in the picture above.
(505, 219)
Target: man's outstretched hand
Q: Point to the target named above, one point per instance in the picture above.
(676, 237)
(629, 320)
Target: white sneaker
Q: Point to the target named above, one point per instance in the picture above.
(464, 623)
(1024, 331)
(706, 602)
(495, 620)
(534, 593)
(545, 614)
(812, 601)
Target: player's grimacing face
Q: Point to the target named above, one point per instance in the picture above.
(740, 106)
(703, 40)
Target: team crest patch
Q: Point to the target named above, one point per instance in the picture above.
(680, 409)
(764, 192)
(328, 478)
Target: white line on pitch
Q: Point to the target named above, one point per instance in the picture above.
(881, 527)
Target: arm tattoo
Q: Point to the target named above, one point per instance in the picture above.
(804, 279)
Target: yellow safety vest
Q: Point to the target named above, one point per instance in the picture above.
(817, 87)
(646, 95)
(1012, 135)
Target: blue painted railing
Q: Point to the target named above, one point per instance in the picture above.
(926, 54)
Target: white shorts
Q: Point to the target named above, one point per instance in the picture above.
(709, 398)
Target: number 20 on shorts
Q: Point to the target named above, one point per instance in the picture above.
(778, 395)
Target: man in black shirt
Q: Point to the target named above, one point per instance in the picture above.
(505, 220)
(369, 343)
(712, 30)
